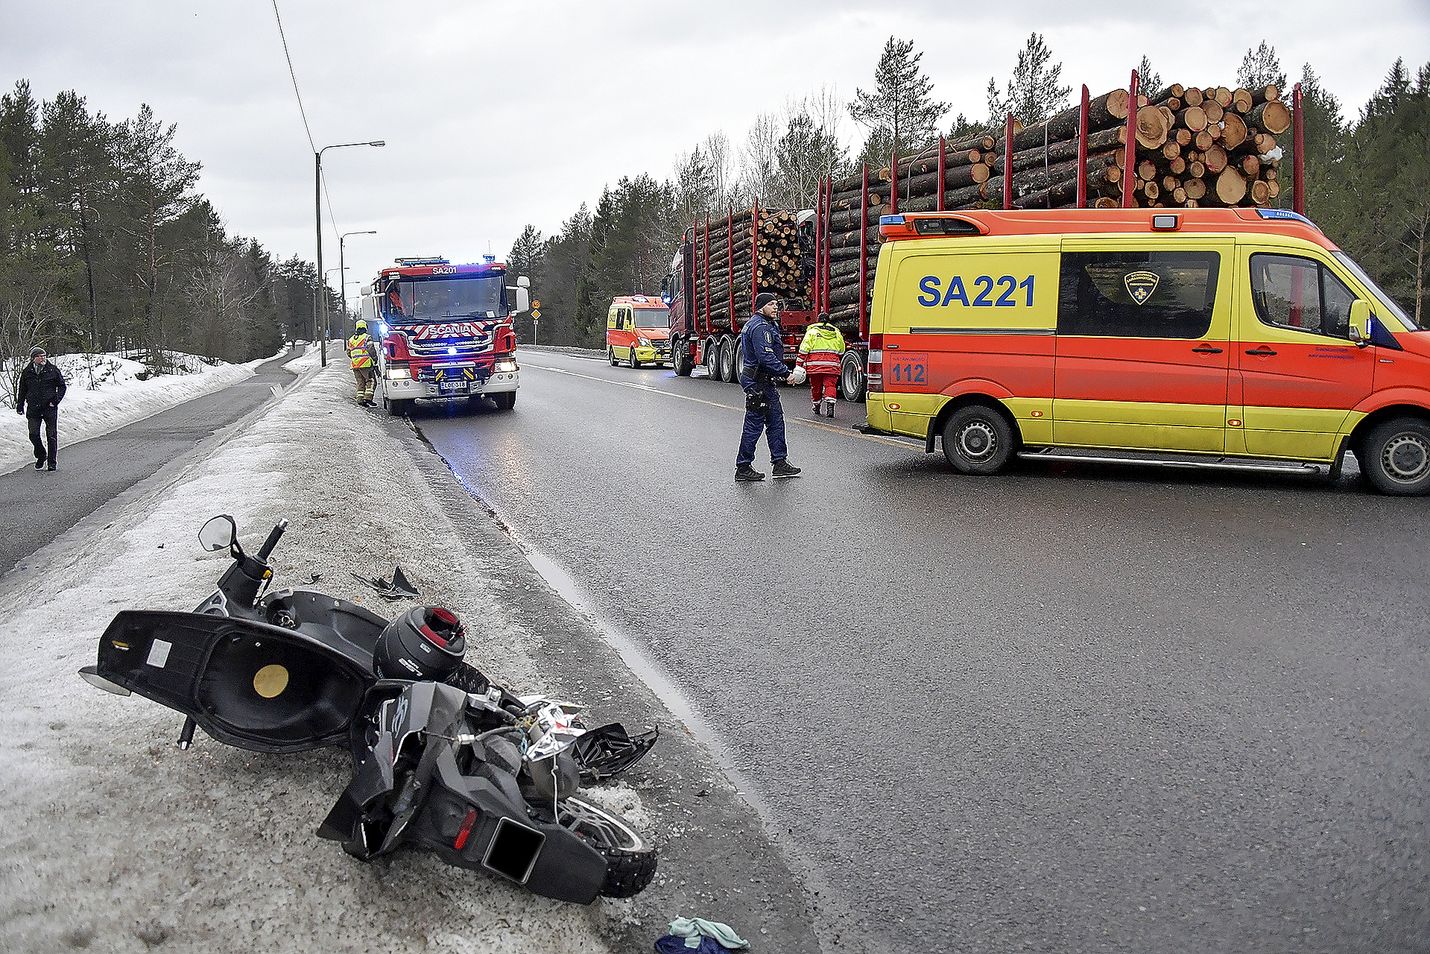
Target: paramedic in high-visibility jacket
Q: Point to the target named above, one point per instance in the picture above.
(762, 367)
(820, 354)
(360, 354)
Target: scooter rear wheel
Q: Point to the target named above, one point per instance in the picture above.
(630, 857)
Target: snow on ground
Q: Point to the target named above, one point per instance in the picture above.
(112, 839)
(105, 393)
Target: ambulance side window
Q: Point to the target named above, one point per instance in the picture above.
(1137, 294)
(1300, 295)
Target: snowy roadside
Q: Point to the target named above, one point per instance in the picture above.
(112, 839)
(119, 399)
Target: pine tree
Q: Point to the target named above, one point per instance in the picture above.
(963, 127)
(1035, 90)
(157, 184)
(1261, 67)
(900, 112)
(1149, 81)
(807, 152)
(76, 173)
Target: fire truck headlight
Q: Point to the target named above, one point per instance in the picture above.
(399, 374)
(505, 364)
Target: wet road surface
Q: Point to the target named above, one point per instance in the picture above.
(1063, 709)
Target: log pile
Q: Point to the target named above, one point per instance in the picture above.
(1221, 150)
(1195, 146)
(969, 180)
(770, 251)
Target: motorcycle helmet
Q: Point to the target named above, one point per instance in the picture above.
(426, 642)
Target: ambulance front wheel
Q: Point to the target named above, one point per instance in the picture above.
(978, 440)
(1396, 458)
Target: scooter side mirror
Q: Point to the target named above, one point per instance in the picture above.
(219, 533)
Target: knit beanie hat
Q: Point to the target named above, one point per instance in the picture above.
(763, 299)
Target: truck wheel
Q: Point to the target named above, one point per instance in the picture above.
(611, 355)
(504, 400)
(396, 408)
(852, 380)
(727, 359)
(1397, 456)
(680, 359)
(712, 360)
(977, 440)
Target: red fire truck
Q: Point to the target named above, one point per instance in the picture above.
(444, 331)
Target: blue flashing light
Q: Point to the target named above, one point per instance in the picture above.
(451, 350)
(382, 327)
(891, 220)
(488, 259)
(1285, 215)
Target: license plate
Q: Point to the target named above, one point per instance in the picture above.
(451, 387)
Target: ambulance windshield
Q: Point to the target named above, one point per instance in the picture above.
(1378, 292)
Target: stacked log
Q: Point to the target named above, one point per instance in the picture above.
(1223, 151)
(772, 251)
(1195, 146)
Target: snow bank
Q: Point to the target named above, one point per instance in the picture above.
(112, 839)
(105, 393)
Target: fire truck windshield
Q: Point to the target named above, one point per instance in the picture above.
(442, 299)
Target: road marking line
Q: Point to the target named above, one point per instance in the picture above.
(831, 428)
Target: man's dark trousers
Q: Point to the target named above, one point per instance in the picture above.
(50, 417)
(771, 420)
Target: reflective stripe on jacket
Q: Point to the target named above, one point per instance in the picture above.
(360, 350)
(821, 350)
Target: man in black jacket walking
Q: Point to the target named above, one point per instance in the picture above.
(38, 397)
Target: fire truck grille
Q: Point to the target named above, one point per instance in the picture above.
(450, 347)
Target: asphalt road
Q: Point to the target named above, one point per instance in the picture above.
(39, 505)
(1064, 709)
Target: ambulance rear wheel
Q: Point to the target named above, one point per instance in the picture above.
(1396, 458)
(611, 356)
(977, 440)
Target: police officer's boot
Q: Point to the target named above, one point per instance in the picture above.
(783, 468)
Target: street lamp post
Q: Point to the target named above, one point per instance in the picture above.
(318, 222)
(342, 268)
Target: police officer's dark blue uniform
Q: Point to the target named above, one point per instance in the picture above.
(762, 365)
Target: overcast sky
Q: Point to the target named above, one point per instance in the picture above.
(499, 114)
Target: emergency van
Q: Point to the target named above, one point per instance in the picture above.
(638, 331)
(1198, 338)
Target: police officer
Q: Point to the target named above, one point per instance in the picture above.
(762, 366)
(360, 354)
(38, 394)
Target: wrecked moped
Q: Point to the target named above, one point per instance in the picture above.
(443, 758)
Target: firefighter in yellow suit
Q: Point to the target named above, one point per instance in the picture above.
(360, 354)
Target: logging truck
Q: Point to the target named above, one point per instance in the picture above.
(443, 331)
(716, 274)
